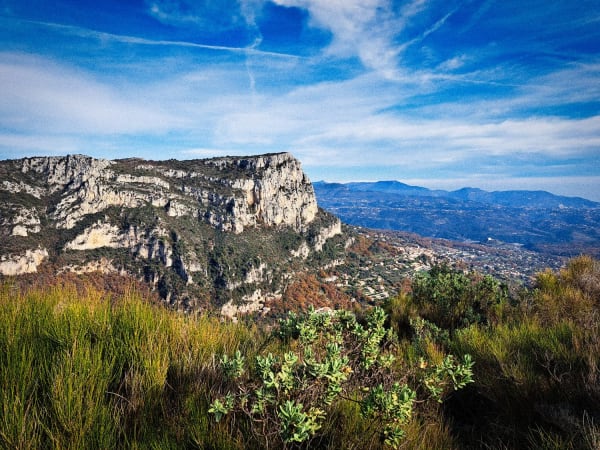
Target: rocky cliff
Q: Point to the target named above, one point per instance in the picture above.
(223, 231)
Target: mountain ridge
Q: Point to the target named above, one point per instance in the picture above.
(221, 232)
(538, 220)
(536, 198)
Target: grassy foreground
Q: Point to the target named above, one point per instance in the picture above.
(537, 355)
(81, 370)
(88, 371)
(84, 370)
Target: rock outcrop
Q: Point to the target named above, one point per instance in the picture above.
(229, 193)
(224, 229)
(27, 262)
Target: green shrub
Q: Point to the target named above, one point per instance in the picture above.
(538, 373)
(80, 368)
(453, 299)
(332, 359)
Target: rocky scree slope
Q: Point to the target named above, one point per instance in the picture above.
(222, 232)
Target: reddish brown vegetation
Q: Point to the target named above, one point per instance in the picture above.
(307, 291)
(111, 284)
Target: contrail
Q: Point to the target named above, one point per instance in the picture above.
(255, 44)
(248, 9)
(87, 33)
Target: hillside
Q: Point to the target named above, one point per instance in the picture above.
(224, 232)
(238, 234)
(535, 220)
(454, 363)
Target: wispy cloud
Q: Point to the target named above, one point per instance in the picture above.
(42, 95)
(213, 152)
(16, 145)
(408, 90)
(550, 136)
(212, 15)
(102, 36)
(362, 28)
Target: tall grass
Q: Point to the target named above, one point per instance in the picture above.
(537, 374)
(80, 369)
(84, 371)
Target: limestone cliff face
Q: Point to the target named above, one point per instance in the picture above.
(58, 172)
(268, 190)
(229, 193)
(228, 225)
(25, 263)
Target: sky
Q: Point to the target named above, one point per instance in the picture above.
(497, 94)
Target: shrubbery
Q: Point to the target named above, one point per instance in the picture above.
(537, 357)
(83, 368)
(453, 299)
(332, 358)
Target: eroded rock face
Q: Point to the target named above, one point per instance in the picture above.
(327, 233)
(229, 193)
(23, 263)
(23, 220)
(252, 303)
(99, 235)
(282, 195)
(58, 172)
(228, 226)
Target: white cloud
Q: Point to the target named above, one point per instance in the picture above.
(344, 124)
(214, 152)
(574, 83)
(372, 30)
(33, 144)
(363, 28)
(211, 16)
(208, 15)
(213, 112)
(452, 63)
(104, 37)
(41, 95)
(459, 139)
(207, 106)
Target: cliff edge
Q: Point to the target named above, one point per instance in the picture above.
(224, 232)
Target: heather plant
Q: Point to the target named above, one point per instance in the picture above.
(332, 358)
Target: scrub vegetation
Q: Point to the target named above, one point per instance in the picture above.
(454, 361)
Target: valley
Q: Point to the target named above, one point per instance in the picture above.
(532, 220)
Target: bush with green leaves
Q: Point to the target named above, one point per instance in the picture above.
(330, 358)
(538, 373)
(452, 299)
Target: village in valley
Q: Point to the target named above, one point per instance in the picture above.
(379, 261)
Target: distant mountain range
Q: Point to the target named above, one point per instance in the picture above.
(538, 220)
(525, 199)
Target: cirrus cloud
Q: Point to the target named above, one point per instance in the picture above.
(40, 94)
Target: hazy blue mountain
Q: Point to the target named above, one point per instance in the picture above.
(526, 199)
(390, 187)
(514, 198)
(538, 220)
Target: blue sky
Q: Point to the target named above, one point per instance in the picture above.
(493, 94)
